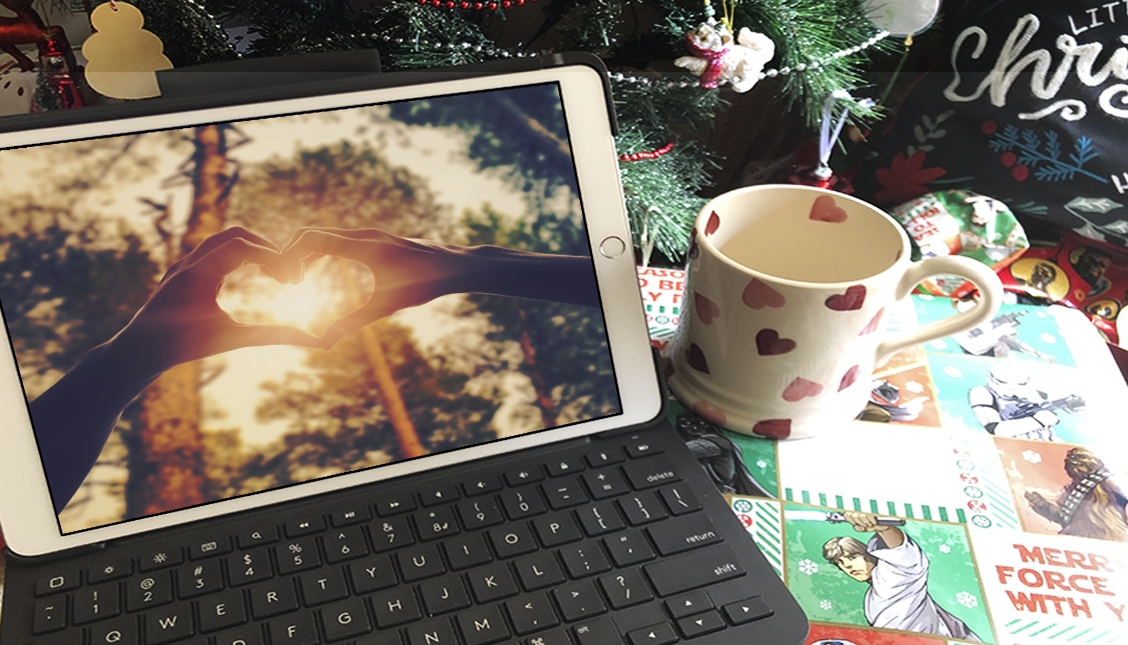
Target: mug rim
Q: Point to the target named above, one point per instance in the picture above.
(703, 240)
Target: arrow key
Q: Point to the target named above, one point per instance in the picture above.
(691, 603)
(748, 610)
(660, 634)
(701, 624)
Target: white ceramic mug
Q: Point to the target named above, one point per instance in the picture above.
(785, 294)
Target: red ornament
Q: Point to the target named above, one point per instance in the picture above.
(27, 28)
(635, 156)
(493, 5)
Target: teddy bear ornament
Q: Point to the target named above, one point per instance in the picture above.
(716, 58)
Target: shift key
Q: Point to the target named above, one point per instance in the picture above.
(692, 570)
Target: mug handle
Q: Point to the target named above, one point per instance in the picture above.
(990, 298)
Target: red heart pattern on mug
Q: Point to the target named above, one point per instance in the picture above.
(707, 310)
(800, 389)
(710, 412)
(872, 325)
(825, 209)
(852, 300)
(759, 294)
(770, 343)
(696, 359)
(773, 428)
(713, 224)
(849, 377)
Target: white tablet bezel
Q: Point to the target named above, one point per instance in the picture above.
(27, 517)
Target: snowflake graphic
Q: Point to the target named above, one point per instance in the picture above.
(967, 600)
(761, 464)
(926, 298)
(1041, 314)
(938, 345)
(944, 548)
(826, 605)
(1032, 456)
(914, 387)
(1049, 338)
(953, 372)
(808, 567)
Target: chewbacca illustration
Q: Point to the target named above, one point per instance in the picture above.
(1092, 505)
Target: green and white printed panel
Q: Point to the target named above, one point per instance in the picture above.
(1054, 589)
(764, 522)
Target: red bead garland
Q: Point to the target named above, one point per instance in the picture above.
(480, 6)
(635, 156)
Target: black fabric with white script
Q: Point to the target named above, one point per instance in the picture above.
(1029, 105)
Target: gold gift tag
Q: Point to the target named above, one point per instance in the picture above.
(123, 58)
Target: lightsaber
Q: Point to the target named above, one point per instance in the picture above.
(835, 517)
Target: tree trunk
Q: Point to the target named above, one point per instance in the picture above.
(544, 400)
(166, 470)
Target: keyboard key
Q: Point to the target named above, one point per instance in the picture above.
(96, 603)
(440, 495)
(648, 473)
(345, 619)
(295, 629)
(683, 534)
(605, 483)
(520, 503)
(465, 551)
(119, 631)
(639, 448)
(531, 613)
(169, 624)
(556, 529)
(245, 635)
(481, 486)
(373, 574)
(746, 611)
(554, 637)
(701, 624)
(600, 518)
(433, 632)
(161, 559)
(597, 632)
(152, 590)
(565, 493)
(679, 499)
(689, 604)
(380, 638)
(602, 458)
(642, 508)
(199, 579)
(209, 548)
(585, 559)
(249, 566)
(524, 476)
(303, 526)
(391, 533)
(57, 583)
(395, 606)
(625, 589)
(273, 598)
(322, 586)
(538, 571)
(481, 626)
(395, 505)
(49, 616)
(109, 569)
(579, 600)
(560, 467)
(492, 582)
(629, 547)
(258, 537)
(357, 514)
(512, 540)
(420, 562)
(444, 595)
(660, 634)
(297, 555)
(693, 570)
(480, 513)
(345, 544)
(436, 523)
(222, 610)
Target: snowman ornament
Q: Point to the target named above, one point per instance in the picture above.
(123, 59)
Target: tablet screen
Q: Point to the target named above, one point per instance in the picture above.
(452, 223)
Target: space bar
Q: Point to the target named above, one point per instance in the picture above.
(692, 570)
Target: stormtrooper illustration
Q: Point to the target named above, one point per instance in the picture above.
(1009, 405)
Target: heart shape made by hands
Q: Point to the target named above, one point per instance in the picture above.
(770, 343)
(800, 389)
(707, 310)
(773, 428)
(825, 209)
(852, 300)
(307, 304)
(759, 294)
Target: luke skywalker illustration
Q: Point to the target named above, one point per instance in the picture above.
(1009, 405)
(896, 570)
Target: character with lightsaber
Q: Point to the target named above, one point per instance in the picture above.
(896, 570)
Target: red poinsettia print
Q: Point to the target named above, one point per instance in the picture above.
(905, 179)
